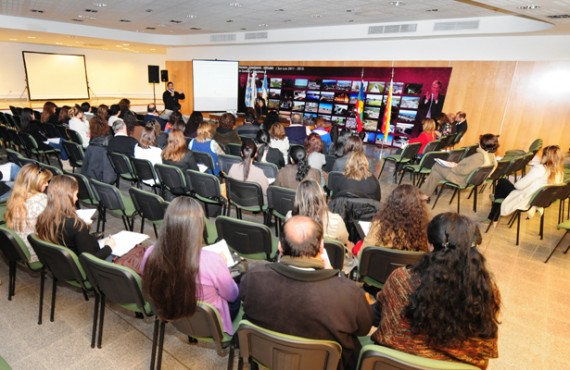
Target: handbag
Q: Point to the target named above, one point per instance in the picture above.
(132, 259)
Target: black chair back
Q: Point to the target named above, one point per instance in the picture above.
(226, 162)
(456, 155)
(244, 194)
(330, 159)
(377, 263)
(248, 239)
(431, 146)
(149, 205)
(74, 152)
(233, 149)
(478, 176)
(206, 188)
(334, 182)
(270, 170)
(335, 252)
(108, 195)
(122, 166)
(470, 150)
(86, 195)
(74, 136)
(205, 159)
(280, 200)
(145, 171)
(172, 179)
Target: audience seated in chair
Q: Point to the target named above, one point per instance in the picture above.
(26, 202)
(225, 133)
(298, 296)
(265, 153)
(314, 147)
(246, 171)
(428, 134)
(204, 143)
(121, 142)
(59, 223)
(518, 196)
(194, 121)
(78, 123)
(176, 152)
(484, 156)
(279, 140)
(96, 163)
(177, 272)
(296, 131)
(343, 147)
(401, 223)
(292, 174)
(413, 299)
(146, 148)
(357, 179)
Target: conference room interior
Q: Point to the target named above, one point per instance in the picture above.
(514, 84)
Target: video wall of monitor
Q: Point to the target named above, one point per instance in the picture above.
(332, 92)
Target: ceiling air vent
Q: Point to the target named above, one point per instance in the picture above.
(456, 26)
(223, 37)
(559, 16)
(255, 35)
(395, 28)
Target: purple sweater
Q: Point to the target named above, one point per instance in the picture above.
(217, 286)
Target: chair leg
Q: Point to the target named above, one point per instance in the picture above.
(453, 196)
(554, 249)
(95, 317)
(160, 344)
(458, 201)
(231, 356)
(42, 283)
(518, 226)
(12, 279)
(101, 319)
(155, 230)
(53, 296)
(154, 343)
(541, 232)
(438, 195)
(474, 199)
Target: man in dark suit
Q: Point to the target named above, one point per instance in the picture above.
(170, 98)
(121, 142)
(296, 132)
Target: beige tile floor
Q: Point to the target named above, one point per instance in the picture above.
(534, 331)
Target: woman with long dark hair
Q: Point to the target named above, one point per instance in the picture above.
(292, 174)
(265, 153)
(446, 307)
(177, 273)
(246, 171)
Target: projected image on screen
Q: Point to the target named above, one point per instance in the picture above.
(215, 85)
(55, 76)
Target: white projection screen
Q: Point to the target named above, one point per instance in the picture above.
(215, 85)
(55, 76)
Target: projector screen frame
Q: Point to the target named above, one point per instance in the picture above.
(236, 85)
(88, 89)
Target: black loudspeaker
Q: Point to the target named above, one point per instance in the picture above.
(153, 74)
(164, 75)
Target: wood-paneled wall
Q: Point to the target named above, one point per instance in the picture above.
(521, 101)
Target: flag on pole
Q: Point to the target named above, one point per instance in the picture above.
(388, 112)
(264, 87)
(248, 93)
(359, 108)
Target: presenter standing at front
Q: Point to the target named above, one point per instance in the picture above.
(170, 98)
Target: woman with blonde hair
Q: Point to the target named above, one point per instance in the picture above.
(176, 152)
(77, 122)
(518, 196)
(401, 222)
(279, 139)
(428, 134)
(177, 272)
(204, 143)
(357, 178)
(27, 200)
(310, 201)
(60, 224)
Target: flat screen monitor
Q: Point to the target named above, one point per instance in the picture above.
(215, 85)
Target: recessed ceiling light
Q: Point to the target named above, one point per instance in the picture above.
(350, 20)
(195, 28)
(315, 16)
(100, 5)
(191, 16)
(77, 20)
(91, 10)
(279, 10)
(263, 25)
(558, 16)
(396, 3)
(150, 28)
(236, 5)
(243, 29)
(36, 11)
(175, 21)
(148, 10)
(287, 20)
(349, 10)
(229, 21)
(528, 7)
(432, 10)
(125, 20)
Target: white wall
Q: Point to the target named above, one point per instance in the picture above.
(110, 73)
(517, 48)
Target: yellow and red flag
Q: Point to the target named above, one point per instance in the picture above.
(388, 112)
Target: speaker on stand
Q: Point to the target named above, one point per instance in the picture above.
(153, 78)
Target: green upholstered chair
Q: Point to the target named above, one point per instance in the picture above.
(149, 206)
(16, 252)
(279, 202)
(273, 350)
(422, 169)
(409, 153)
(375, 357)
(63, 265)
(118, 284)
(249, 239)
(113, 201)
(566, 226)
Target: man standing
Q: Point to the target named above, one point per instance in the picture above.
(298, 296)
(171, 97)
